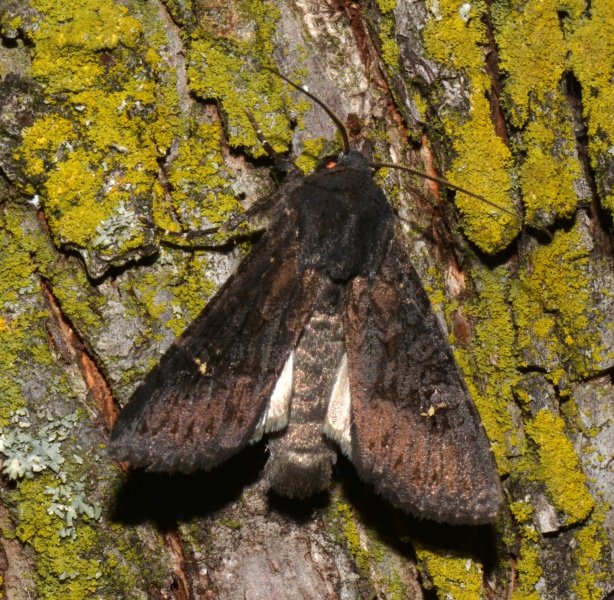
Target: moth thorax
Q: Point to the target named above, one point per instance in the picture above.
(301, 458)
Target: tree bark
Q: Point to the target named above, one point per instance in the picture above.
(111, 111)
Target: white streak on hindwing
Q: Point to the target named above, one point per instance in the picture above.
(337, 425)
(277, 412)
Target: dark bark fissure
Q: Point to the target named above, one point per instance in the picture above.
(492, 68)
(70, 345)
(602, 221)
(4, 567)
(183, 580)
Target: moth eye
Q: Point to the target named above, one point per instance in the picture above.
(329, 162)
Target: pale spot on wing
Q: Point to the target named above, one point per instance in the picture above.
(337, 424)
(202, 366)
(277, 412)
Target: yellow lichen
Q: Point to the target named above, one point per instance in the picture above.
(546, 180)
(93, 166)
(555, 281)
(591, 47)
(198, 187)
(453, 575)
(533, 55)
(481, 159)
(532, 52)
(386, 5)
(216, 70)
(522, 511)
(559, 467)
(494, 359)
(592, 547)
(312, 151)
(64, 567)
(389, 49)
(529, 571)
(67, 43)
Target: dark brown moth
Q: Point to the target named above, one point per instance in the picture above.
(323, 337)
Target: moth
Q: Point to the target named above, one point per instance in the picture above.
(323, 339)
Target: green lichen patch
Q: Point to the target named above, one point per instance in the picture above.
(386, 5)
(452, 41)
(482, 160)
(216, 72)
(547, 174)
(522, 511)
(591, 559)
(378, 567)
(55, 498)
(27, 253)
(591, 44)
(453, 575)
(481, 165)
(68, 42)
(191, 296)
(555, 282)
(533, 55)
(532, 52)
(168, 295)
(492, 361)
(202, 192)
(65, 568)
(528, 571)
(559, 467)
(389, 49)
(50, 502)
(23, 335)
(92, 158)
(312, 153)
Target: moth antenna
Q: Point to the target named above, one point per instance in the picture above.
(329, 111)
(267, 147)
(457, 188)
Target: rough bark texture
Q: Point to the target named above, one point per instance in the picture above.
(112, 110)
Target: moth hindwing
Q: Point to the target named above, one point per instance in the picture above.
(323, 337)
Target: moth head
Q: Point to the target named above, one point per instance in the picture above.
(354, 159)
(349, 158)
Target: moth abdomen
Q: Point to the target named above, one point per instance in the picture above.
(301, 458)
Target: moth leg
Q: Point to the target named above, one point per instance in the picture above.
(281, 162)
(181, 235)
(260, 208)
